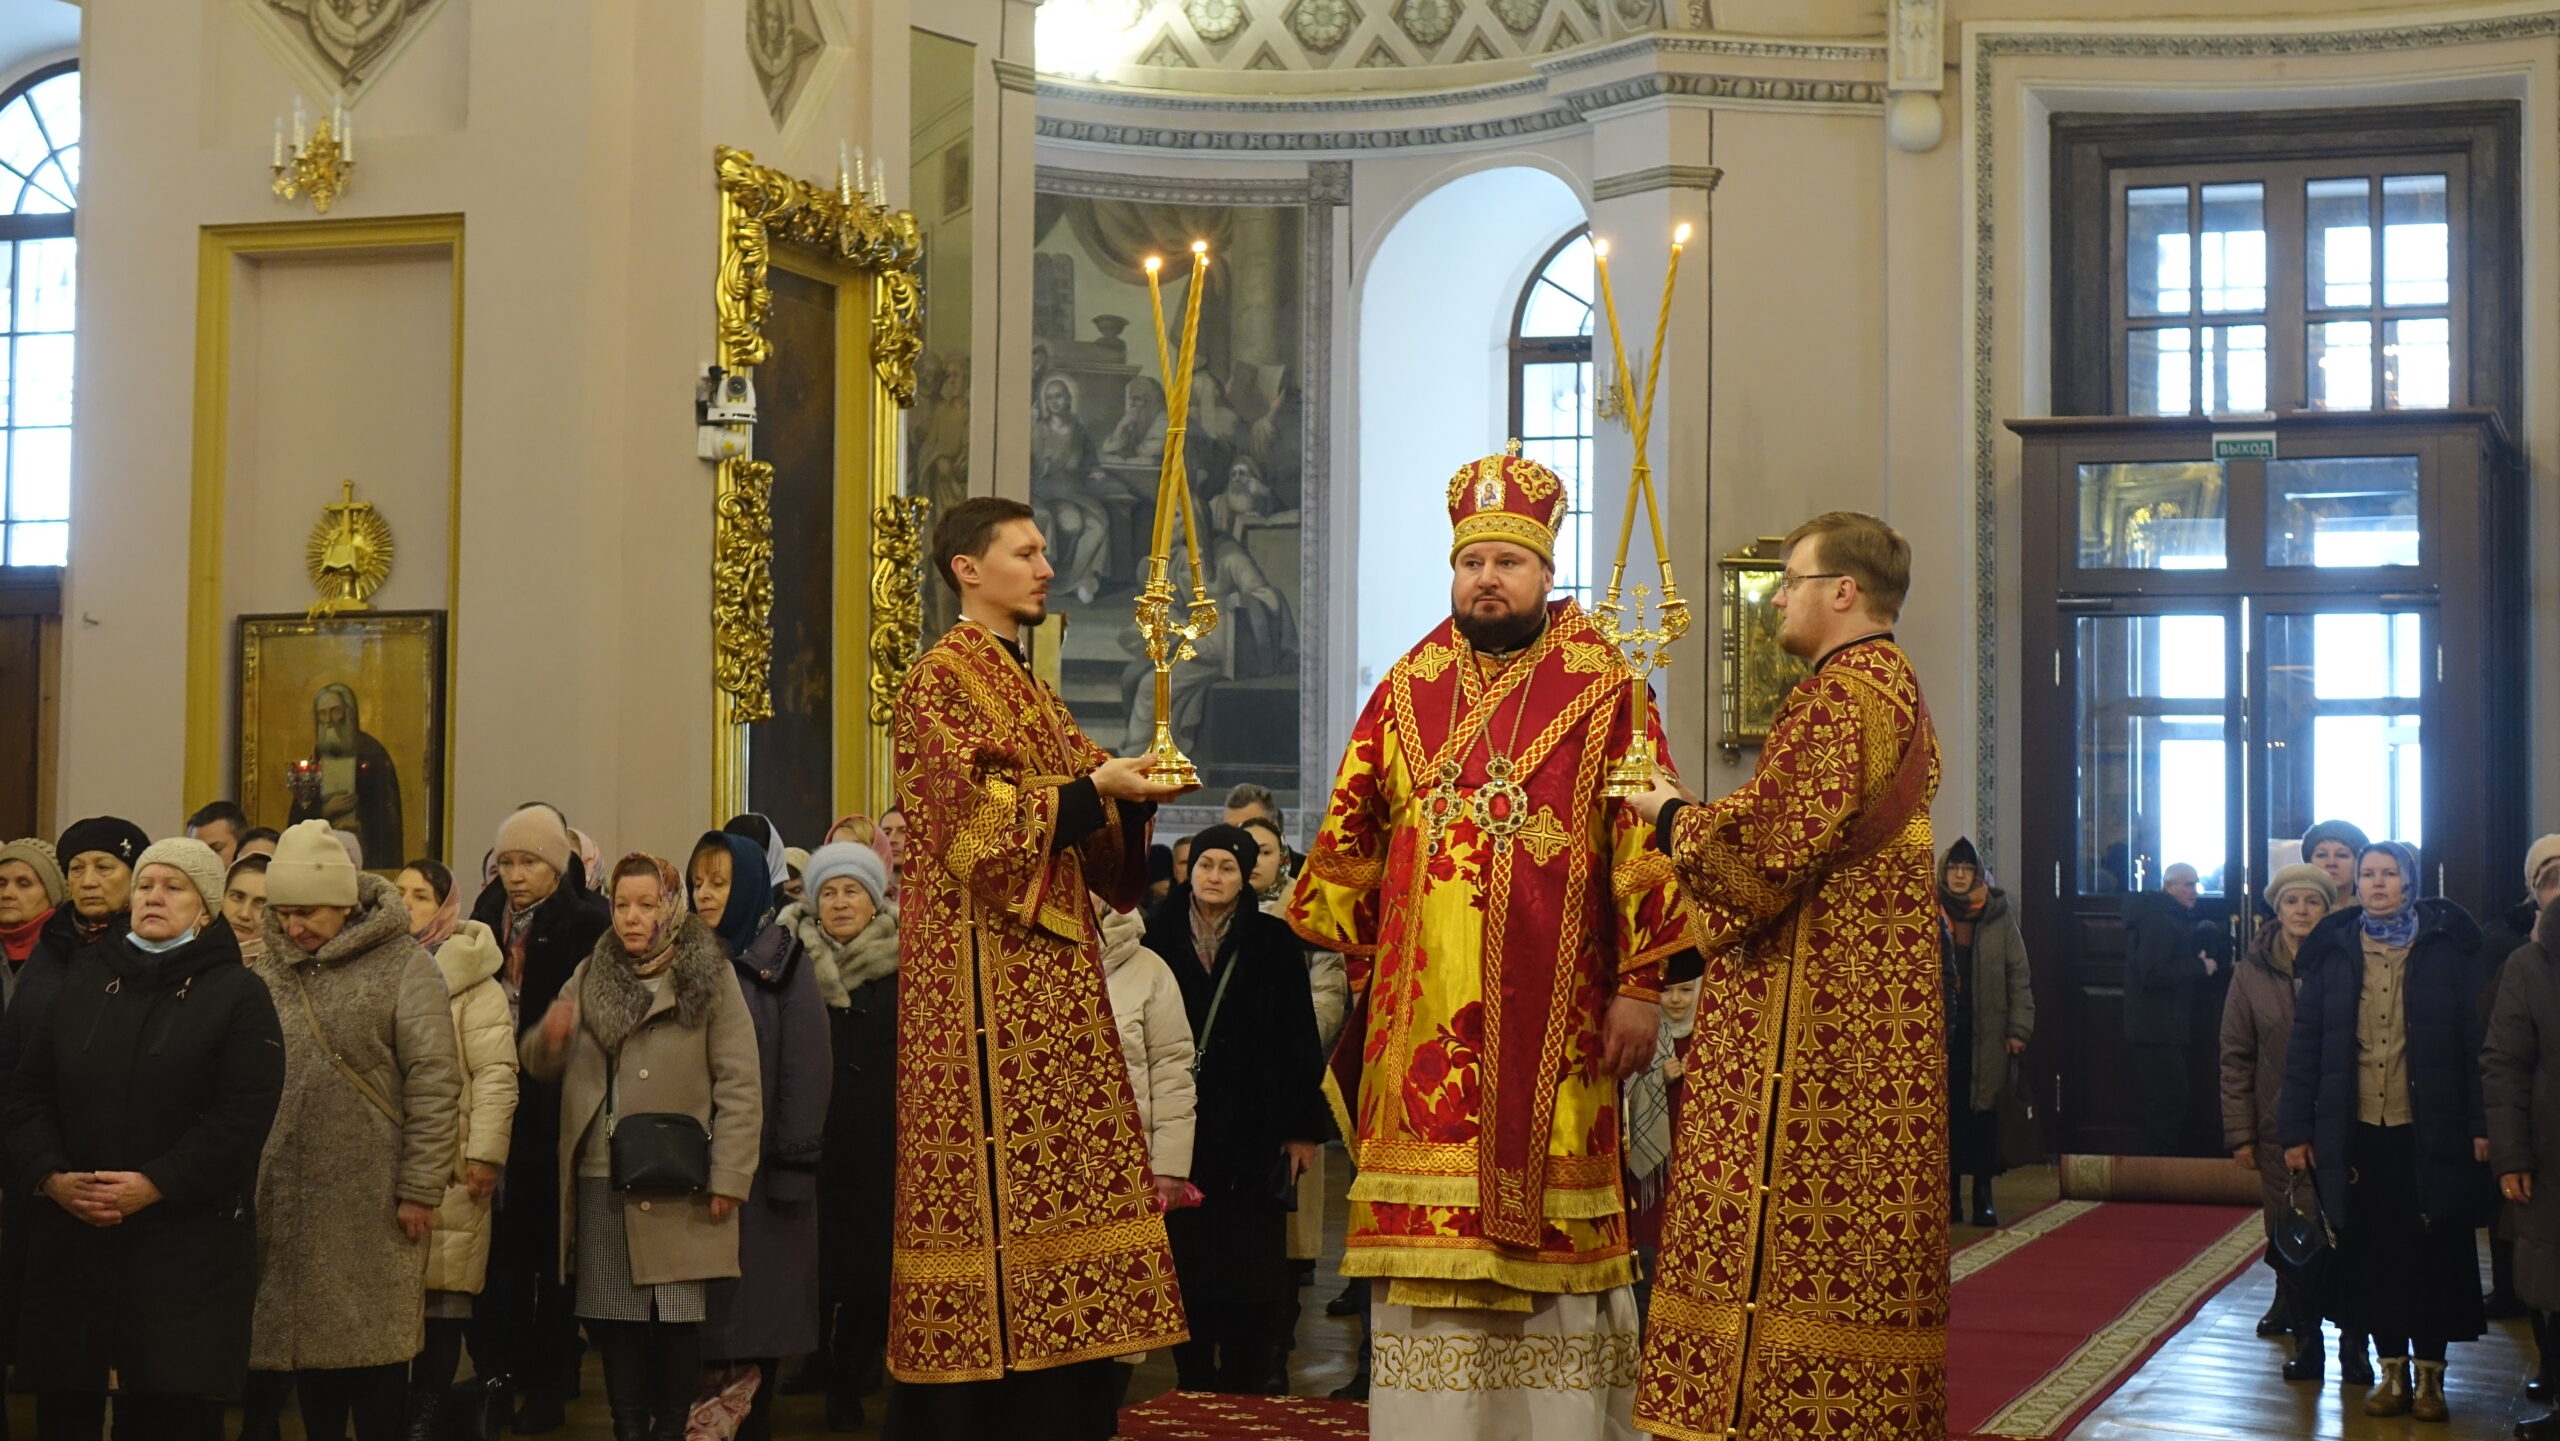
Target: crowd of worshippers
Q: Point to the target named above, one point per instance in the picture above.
(284, 1132)
(2388, 1064)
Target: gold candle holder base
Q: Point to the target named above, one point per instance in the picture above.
(1631, 775)
(1172, 767)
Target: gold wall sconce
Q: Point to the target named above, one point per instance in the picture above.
(319, 165)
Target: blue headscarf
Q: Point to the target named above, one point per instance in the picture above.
(750, 888)
(2398, 929)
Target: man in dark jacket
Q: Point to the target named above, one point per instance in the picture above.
(2170, 950)
(542, 912)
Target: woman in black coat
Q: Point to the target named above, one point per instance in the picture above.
(2520, 1074)
(1261, 1114)
(137, 1115)
(2382, 1102)
(548, 920)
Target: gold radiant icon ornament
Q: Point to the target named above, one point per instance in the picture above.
(1167, 642)
(348, 555)
(1646, 648)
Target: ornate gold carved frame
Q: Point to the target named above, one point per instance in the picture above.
(856, 243)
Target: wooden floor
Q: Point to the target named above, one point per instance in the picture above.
(2214, 1379)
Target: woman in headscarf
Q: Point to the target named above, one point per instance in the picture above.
(2382, 1103)
(469, 958)
(1260, 1112)
(31, 890)
(1991, 1015)
(651, 1023)
(767, 837)
(771, 1309)
(2257, 1024)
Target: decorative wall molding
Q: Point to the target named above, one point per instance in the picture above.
(1755, 89)
(1847, 52)
(1316, 36)
(1917, 55)
(1659, 177)
(337, 46)
(1016, 76)
(1287, 142)
(1053, 88)
(1986, 45)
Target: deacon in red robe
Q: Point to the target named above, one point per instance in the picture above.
(1505, 926)
(1803, 1282)
(1029, 1242)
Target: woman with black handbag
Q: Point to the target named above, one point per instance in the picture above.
(661, 1116)
(1261, 1112)
(2383, 1105)
(2257, 1023)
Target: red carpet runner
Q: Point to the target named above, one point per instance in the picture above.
(2051, 1315)
(1199, 1416)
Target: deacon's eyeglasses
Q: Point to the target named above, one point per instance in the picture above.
(1789, 583)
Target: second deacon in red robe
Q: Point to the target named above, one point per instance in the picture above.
(1802, 1294)
(1505, 926)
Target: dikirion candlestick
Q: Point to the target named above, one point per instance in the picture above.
(1167, 642)
(1646, 648)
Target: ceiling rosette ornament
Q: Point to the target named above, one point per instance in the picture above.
(1214, 20)
(785, 42)
(1322, 25)
(350, 41)
(1427, 22)
(1519, 16)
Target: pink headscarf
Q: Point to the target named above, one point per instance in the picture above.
(588, 856)
(671, 911)
(441, 926)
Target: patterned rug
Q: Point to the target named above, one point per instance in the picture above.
(2050, 1315)
(1207, 1416)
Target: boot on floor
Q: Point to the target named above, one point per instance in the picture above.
(2355, 1358)
(1982, 1213)
(2390, 1395)
(1353, 1300)
(2426, 1403)
(2310, 1357)
(419, 1421)
(2279, 1319)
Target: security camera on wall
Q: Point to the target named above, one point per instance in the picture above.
(724, 413)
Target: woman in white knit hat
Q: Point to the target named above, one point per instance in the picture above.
(138, 1114)
(363, 1143)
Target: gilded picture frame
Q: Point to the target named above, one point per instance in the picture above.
(835, 233)
(343, 719)
(1755, 673)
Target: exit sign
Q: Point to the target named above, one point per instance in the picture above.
(2244, 445)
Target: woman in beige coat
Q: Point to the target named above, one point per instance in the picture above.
(363, 1141)
(468, 956)
(651, 1022)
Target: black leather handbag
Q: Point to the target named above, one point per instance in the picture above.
(2302, 1245)
(656, 1153)
(660, 1153)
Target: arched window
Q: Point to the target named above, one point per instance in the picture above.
(1551, 392)
(39, 188)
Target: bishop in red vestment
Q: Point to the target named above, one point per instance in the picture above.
(1802, 1294)
(1506, 927)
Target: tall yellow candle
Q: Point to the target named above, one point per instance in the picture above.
(1190, 353)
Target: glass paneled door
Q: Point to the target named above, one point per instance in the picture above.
(2344, 695)
(2158, 759)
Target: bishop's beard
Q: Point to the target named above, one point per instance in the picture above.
(1501, 636)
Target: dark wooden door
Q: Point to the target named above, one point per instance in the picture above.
(30, 617)
(2219, 654)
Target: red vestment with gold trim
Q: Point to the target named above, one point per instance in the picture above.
(1489, 902)
(1026, 1235)
(1803, 1282)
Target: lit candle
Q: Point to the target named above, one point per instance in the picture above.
(1157, 542)
(1190, 349)
(278, 162)
(880, 184)
(297, 125)
(844, 174)
(347, 138)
